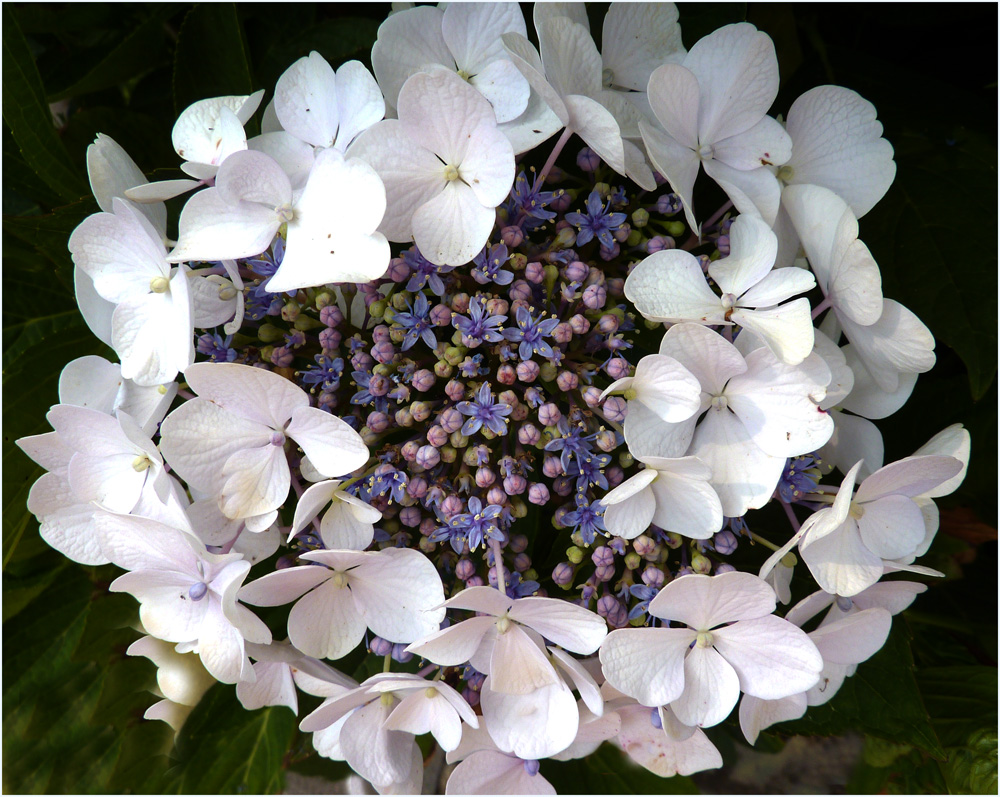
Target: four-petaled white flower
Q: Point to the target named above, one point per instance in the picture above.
(396, 592)
(732, 643)
(445, 167)
(712, 108)
(670, 286)
(845, 545)
(186, 595)
(231, 439)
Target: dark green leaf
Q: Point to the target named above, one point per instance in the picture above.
(26, 113)
(960, 700)
(224, 749)
(608, 771)
(136, 53)
(881, 699)
(211, 57)
(915, 243)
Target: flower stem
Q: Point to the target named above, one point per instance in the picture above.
(498, 564)
(821, 307)
(718, 215)
(762, 541)
(566, 134)
(791, 515)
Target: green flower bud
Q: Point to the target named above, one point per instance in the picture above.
(377, 309)
(268, 333)
(674, 228)
(548, 372)
(290, 311)
(640, 218)
(574, 555)
(632, 560)
(442, 369)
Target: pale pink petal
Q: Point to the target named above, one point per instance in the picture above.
(867, 398)
(892, 526)
(253, 393)
(332, 446)
(481, 599)
(65, 523)
(670, 286)
(855, 638)
(738, 73)
(778, 403)
(453, 645)
(569, 626)
(632, 505)
(897, 342)
(524, 56)
(421, 713)
(636, 38)
(283, 586)
(764, 144)
(349, 523)
(488, 165)
(894, 596)
(452, 227)
(569, 55)
(786, 330)
(135, 543)
(273, 687)
(953, 441)
(757, 714)
(378, 755)
(911, 477)
(531, 726)
(706, 354)
(711, 689)
(221, 649)
(596, 125)
(647, 663)
(96, 311)
(408, 41)
(653, 749)
(854, 439)
(703, 602)
(194, 136)
(537, 124)
(502, 84)
(305, 100)
(841, 563)
(752, 247)
(399, 594)
(743, 475)
(582, 680)
(257, 480)
(648, 435)
(438, 110)
(678, 163)
(685, 501)
(493, 772)
(472, 32)
(213, 229)
(294, 156)
(839, 145)
(326, 622)
(517, 665)
(772, 657)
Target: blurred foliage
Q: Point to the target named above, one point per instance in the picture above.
(73, 702)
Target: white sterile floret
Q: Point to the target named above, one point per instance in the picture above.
(732, 643)
(231, 439)
(671, 286)
(663, 386)
(566, 72)
(836, 143)
(844, 643)
(348, 523)
(712, 110)
(185, 594)
(181, 678)
(396, 592)
(889, 339)
(760, 411)
(326, 108)
(205, 134)
(95, 383)
(463, 38)
(845, 545)
(278, 668)
(445, 165)
(151, 327)
(500, 644)
(544, 722)
(330, 225)
(112, 172)
(372, 729)
(675, 494)
(485, 769)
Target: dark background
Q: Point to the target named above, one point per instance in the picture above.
(72, 701)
